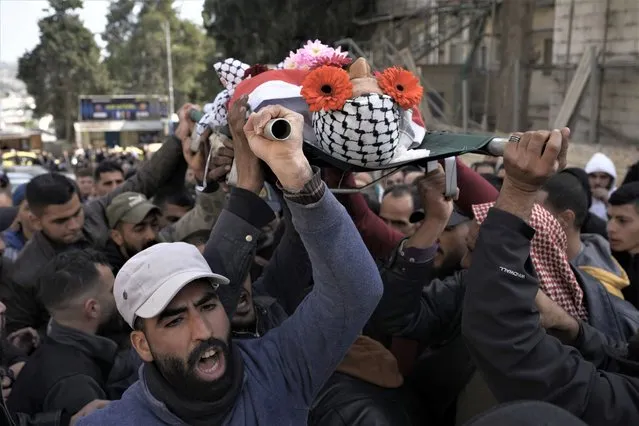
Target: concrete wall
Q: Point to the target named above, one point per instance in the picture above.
(620, 81)
(589, 28)
(541, 85)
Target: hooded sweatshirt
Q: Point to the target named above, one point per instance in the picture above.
(600, 163)
(595, 259)
(593, 223)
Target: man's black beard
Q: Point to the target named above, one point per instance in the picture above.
(130, 251)
(184, 379)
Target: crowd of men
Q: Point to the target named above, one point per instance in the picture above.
(127, 300)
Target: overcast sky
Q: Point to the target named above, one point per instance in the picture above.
(19, 22)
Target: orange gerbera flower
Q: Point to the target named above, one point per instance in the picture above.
(327, 88)
(402, 86)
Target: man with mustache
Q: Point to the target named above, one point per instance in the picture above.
(193, 372)
(451, 246)
(134, 223)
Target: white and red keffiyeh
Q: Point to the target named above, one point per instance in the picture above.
(548, 255)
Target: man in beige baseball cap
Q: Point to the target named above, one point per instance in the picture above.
(168, 295)
(133, 220)
(193, 372)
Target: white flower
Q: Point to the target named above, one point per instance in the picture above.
(289, 63)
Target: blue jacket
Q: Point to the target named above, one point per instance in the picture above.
(14, 241)
(287, 367)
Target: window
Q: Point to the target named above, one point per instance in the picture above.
(481, 58)
(436, 103)
(547, 56)
(456, 53)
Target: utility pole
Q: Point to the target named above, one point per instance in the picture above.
(169, 65)
(515, 54)
(489, 65)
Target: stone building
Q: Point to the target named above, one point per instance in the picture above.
(451, 41)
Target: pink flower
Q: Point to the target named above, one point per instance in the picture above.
(316, 48)
(314, 54)
(303, 59)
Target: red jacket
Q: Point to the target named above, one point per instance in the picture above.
(381, 239)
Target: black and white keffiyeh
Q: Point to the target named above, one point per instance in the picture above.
(365, 132)
(231, 73)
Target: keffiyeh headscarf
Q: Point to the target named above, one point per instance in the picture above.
(548, 254)
(372, 130)
(365, 129)
(231, 72)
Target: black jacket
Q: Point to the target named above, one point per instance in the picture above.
(114, 256)
(431, 315)
(23, 306)
(268, 315)
(630, 263)
(516, 357)
(53, 418)
(347, 401)
(69, 370)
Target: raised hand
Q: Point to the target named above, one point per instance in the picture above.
(432, 187)
(563, 154)
(185, 125)
(285, 158)
(249, 170)
(531, 161)
(528, 164)
(26, 339)
(221, 158)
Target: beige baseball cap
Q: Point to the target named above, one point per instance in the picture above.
(148, 281)
(129, 207)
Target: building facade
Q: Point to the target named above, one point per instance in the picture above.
(612, 27)
(121, 120)
(452, 41)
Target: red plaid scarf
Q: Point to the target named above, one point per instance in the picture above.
(548, 254)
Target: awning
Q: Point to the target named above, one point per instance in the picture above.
(17, 135)
(118, 126)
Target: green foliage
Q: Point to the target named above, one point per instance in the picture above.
(63, 6)
(264, 31)
(136, 46)
(65, 64)
(120, 26)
